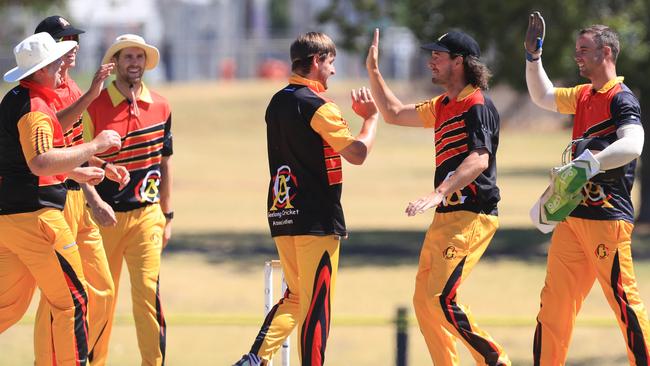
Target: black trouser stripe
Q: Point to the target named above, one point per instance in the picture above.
(259, 339)
(80, 307)
(457, 317)
(537, 344)
(161, 322)
(635, 339)
(91, 354)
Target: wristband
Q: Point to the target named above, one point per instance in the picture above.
(169, 215)
(530, 57)
(104, 164)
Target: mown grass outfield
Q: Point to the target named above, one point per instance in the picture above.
(212, 273)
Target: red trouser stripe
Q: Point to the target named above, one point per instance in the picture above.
(316, 327)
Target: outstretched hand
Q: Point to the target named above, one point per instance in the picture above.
(372, 61)
(420, 205)
(535, 34)
(362, 103)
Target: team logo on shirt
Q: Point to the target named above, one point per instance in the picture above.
(449, 252)
(602, 251)
(283, 184)
(595, 196)
(147, 190)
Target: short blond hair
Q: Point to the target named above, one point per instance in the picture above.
(307, 46)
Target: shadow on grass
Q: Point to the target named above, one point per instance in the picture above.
(373, 247)
(524, 172)
(586, 361)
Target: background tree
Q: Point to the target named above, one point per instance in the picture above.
(499, 27)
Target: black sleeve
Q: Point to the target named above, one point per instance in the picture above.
(168, 144)
(625, 109)
(482, 125)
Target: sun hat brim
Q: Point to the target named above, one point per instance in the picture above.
(60, 49)
(150, 51)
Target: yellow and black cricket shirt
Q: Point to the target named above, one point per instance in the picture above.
(28, 127)
(305, 133)
(599, 113)
(462, 125)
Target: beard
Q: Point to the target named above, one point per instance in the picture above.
(134, 79)
(131, 78)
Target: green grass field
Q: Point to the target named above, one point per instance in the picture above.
(213, 270)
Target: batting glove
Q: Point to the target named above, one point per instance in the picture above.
(534, 36)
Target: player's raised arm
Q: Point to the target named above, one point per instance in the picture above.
(540, 87)
(391, 108)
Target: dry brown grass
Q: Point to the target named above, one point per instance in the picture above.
(214, 311)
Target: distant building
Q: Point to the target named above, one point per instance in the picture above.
(210, 39)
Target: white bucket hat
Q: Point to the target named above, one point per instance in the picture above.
(132, 40)
(34, 53)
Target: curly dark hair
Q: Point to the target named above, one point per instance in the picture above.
(476, 72)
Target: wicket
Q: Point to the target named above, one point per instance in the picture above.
(269, 301)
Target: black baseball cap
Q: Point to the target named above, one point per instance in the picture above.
(455, 42)
(57, 27)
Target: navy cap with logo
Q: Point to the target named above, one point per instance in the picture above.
(57, 27)
(455, 42)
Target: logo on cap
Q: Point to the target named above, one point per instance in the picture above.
(442, 36)
(64, 23)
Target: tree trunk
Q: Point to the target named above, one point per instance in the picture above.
(644, 211)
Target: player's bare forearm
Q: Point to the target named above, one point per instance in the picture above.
(166, 195)
(61, 160)
(71, 114)
(67, 117)
(473, 165)
(368, 132)
(166, 183)
(357, 152)
(95, 161)
(391, 108)
(102, 212)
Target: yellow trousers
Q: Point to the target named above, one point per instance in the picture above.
(137, 239)
(309, 264)
(453, 245)
(581, 252)
(39, 248)
(98, 277)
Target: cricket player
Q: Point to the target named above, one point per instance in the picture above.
(142, 209)
(37, 246)
(70, 103)
(594, 241)
(465, 196)
(306, 138)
